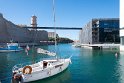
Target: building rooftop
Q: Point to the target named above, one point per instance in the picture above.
(105, 19)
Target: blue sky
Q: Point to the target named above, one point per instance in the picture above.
(69, 13)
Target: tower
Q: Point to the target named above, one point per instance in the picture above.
(33, 21)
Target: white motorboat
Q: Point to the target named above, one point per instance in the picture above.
(42, 51)
(76, 45)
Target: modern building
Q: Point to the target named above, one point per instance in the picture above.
(122, 25)
(99, 31)
(52, 34)
(22, 25)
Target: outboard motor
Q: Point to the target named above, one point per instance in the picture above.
(16, 78)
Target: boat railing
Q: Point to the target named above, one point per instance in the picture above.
(3, 46)
(19, 66)
(49, 58)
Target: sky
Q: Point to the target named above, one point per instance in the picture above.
(69, 13)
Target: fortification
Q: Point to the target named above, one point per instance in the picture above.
(10, 31)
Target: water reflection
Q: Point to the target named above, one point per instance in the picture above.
(99, 65)
(120, 68)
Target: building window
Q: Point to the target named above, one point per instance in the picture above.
(105, 24)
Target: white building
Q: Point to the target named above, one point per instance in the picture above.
(122, 25)
(52, 34)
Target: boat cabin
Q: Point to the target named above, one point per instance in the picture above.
(45, 63)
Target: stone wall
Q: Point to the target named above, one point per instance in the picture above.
(10, 31)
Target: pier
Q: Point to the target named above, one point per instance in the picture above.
(35, 44)
(101, 46)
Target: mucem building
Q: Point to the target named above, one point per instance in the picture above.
(99, 31)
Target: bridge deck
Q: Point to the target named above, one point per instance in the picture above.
(62, 28)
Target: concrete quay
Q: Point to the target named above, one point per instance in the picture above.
(101, 46)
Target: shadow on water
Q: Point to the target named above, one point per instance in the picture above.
(120, 68)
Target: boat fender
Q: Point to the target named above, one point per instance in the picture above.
(60, 69)
(49, 72)
(27, 70)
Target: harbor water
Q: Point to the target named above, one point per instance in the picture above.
(88, 66)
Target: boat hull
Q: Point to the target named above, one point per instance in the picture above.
(46, 73)
(10, 50)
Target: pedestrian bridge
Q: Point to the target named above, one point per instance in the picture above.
(60, 28)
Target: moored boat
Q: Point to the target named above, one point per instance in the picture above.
(42, 51)
(76, 45)
(40, 70)
(10, 47)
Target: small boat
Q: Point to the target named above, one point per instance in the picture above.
(76, 45)
(10, 47)
(39, 50)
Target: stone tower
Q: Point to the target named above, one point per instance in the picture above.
(33, 21)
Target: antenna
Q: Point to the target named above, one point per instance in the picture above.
(54, 19)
